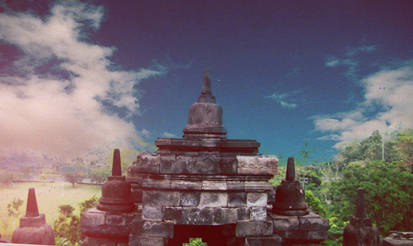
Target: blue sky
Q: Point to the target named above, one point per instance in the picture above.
(79, 78)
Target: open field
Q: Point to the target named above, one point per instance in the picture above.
(49, 197)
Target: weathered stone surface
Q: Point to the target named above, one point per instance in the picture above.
(93, 241)
(274, 240)
(214, 185)
(213, 199)
(254, 165)
(186, 185)
(237, 199)
(92, 218)
(156, 183)
(153, 212)
(399, 239)
(235, 185)
(257, 186)
(34, 235)
(255, 199)
(152, 228)
(284, 223)
(146, 240)
(243, 214)
(146, 162)
(190, 199)
(225, 216)
(313, 222)
(254, 228)
(258, 213)
(161, 198)
(229, 165)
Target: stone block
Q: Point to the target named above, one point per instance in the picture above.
(186, 185)
(255, 199)
(146, 163)
(235, 185)
(92, 241)
(317, 235)
(92, 218)
(258, 186)
(136, 195)
(153, 212)
(204, 165)
(257, 165)
(214, 185)
(161, 198)
(243, 214)
(225, 216)
(156, 183)
(258, 213)
(167, 165)
(190, 199)
(237, 199)
(273, 240)
(253, 228)
(197, 216)
(173, 214)
(285, 223)
(153, 228)
(115, 219)
(213, 199)
(313, 222)
(146, 240)
(229, 165)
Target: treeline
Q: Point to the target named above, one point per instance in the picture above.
(383, 167)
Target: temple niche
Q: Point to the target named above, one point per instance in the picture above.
(202, 185)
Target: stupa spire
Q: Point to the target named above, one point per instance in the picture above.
(116, 167)
(290, 174)
(32, 209)
(206, 84)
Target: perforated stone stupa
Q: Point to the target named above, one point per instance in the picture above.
(201, 185)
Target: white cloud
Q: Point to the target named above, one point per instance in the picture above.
(168, 135)
(63, 115)
(389, 90)
(349, 60)
(281, 98)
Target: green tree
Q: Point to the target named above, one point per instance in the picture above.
(389, 188)
(67, 226)
(195, 242)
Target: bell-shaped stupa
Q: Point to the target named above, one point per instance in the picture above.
(33, 228)
(290, 196)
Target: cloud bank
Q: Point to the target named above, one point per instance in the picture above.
(60, 95)
(284, 99)
(387, 106)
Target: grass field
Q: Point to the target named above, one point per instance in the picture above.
(49, 197)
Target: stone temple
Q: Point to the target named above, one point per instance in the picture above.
(202, 185)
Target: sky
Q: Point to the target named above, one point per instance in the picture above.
(79, 78)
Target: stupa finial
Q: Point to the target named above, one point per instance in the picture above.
(206, 83)
(290, 174)
(116, 167)
(32, 209)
